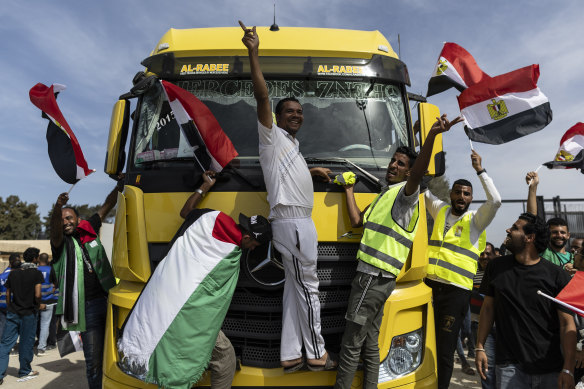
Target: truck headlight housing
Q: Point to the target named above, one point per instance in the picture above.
(405, 355)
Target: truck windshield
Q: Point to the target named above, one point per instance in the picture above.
(363, 122)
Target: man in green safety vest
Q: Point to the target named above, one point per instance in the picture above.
(390, 223)
(458, 238)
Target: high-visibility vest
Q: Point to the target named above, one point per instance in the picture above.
(3, 278)
(47, 291)
(453, 257)
(385, 244)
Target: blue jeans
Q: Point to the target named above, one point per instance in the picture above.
(25, 327)
(45, 320)
(2, 321)
(490, 382)
(93, 338)
(510, 376)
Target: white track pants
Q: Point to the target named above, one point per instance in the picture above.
(296, 240)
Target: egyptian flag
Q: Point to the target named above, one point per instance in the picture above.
(170, 333)
(572, 296)
(506, 107)
(200, 127)
(64, 150)
(455, 68)
(571, 152)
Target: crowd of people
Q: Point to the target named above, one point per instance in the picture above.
(481, 293)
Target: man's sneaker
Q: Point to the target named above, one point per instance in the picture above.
(40, 353)
(29, 376)
(50, 347)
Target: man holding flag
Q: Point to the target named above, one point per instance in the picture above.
(84, 275)
(535, 341)
(458, 238)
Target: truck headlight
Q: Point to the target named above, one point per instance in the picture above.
(405, 355)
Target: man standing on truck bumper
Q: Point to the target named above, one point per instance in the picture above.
(291, 196)
(390, 224)
(457, 241)
(85, 276)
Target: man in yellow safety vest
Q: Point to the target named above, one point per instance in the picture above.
(390, 223)
(458, 238)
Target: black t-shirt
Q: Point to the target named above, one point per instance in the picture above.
(21, 283)
(527, 324)
(93, 288)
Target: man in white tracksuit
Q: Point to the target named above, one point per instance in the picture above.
(290, 194)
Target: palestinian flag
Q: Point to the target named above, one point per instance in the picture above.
(200, 127)
(571, 152)
(455, 68)
(506, 107)
(171, 331)
(64, 150)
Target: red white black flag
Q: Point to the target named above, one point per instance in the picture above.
(571, 152)
(505, 107)
(64, 150)
(198, 123)
(455, 68)
(572, 296)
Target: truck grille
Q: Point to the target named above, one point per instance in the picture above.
(254, 320)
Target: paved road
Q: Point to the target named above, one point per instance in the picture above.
(55, 372)
(69, 372)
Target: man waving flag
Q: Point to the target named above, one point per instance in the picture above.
(64, 150)
(455, 68)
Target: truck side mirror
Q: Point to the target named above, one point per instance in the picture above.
(427, 114)
(116, 155)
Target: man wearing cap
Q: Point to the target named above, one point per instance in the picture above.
(200, 270)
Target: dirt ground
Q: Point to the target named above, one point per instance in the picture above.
(69, 372)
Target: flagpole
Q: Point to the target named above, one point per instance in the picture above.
(200, 164)
(536, 170)
(566, 305)
(70, 189)
(471, 146)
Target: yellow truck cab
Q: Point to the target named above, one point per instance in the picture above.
(356, 109)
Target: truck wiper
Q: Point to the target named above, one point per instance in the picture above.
(154, 161)
(345, 161)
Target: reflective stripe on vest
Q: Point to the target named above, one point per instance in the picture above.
(47, 292)
(453, 257)
(385, 244)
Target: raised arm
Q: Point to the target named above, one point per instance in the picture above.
(260, 90)
(421, 165)
(532, 180)
(56, 224)
(487, 211)
(197, 196)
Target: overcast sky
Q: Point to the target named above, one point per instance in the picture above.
(95, 48)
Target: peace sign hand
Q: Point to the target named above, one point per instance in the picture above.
(250, 37)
